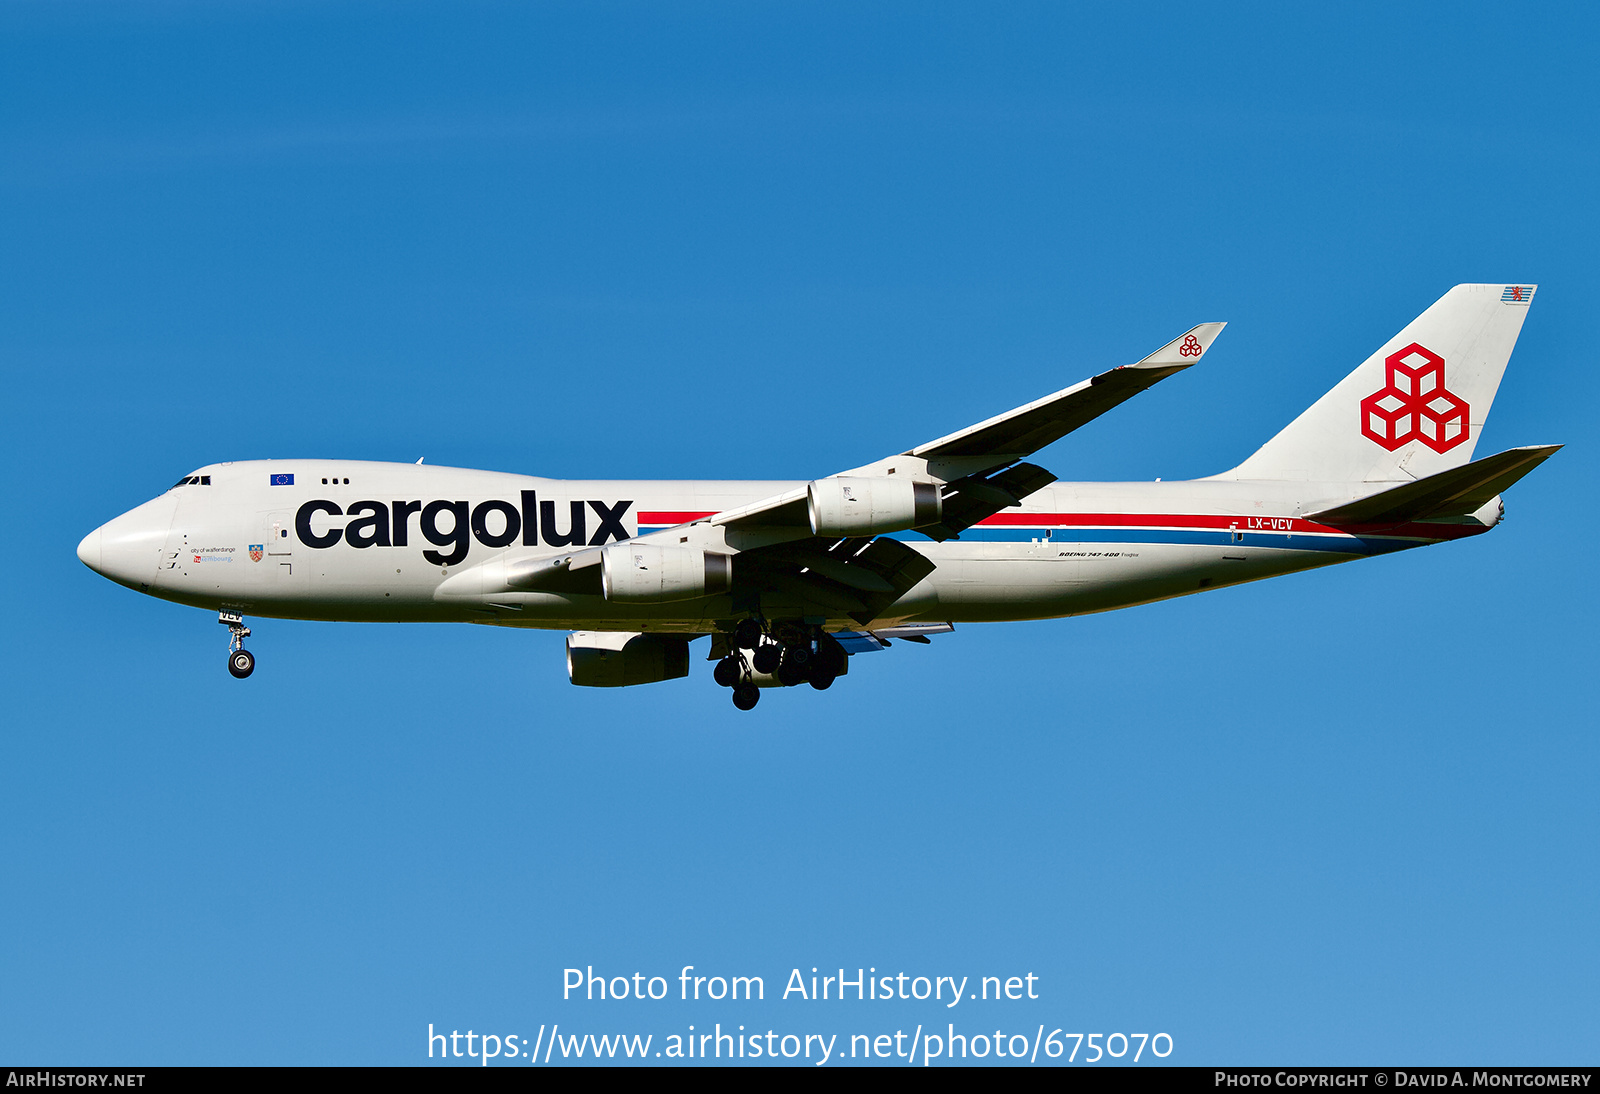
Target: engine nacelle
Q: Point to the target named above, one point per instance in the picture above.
(651, 573)
(871, 507)
(619, 659)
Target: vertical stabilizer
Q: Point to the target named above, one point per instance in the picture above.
(1412, 409)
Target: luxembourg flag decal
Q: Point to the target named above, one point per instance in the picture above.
(1517, 294)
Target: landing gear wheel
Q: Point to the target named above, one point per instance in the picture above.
(789, 674)
(746, 696)
(727, 672)
(747, 634)
(822, 681)
(767, 656)
(241, 662)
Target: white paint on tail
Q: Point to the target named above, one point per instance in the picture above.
(1414, 408)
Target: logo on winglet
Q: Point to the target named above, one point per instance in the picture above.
(1414, 405)
(1517, 294)
(1191, 347)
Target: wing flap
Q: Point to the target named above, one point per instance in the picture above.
(858, 577)
(872, 641)
(971, 499)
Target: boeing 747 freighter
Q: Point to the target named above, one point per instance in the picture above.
(789, 579)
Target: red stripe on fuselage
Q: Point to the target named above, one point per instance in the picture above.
(1286, 525)
(671, 517)
(1224, 522)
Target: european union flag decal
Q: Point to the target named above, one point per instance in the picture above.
(282, 480)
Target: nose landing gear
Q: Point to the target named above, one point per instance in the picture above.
(241, 662)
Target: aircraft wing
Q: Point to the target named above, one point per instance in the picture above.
(1009, 437)
(978, 466)
(976, 470)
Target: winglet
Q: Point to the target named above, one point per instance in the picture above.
(1184, 350)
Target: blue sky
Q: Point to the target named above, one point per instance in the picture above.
(1340, 817)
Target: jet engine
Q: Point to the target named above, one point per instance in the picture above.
(871, 507)
(651, 573)
(619, 659)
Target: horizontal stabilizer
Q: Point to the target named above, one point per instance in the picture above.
(1457, 492)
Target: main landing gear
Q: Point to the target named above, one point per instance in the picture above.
(746, 696)
(241, 662)
(784, 655)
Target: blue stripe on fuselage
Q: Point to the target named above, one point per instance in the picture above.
(1194, 537)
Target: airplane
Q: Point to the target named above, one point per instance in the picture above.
(790, 580)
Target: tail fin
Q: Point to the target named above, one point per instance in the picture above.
(1414, 408)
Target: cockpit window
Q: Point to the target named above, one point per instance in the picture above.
(192, 480)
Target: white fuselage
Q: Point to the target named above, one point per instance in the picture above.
(351, 540)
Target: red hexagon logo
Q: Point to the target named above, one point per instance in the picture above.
(1414, 404)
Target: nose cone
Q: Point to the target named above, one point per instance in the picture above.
(128, 548)
(89, 550)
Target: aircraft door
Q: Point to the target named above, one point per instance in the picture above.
(279, 545)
